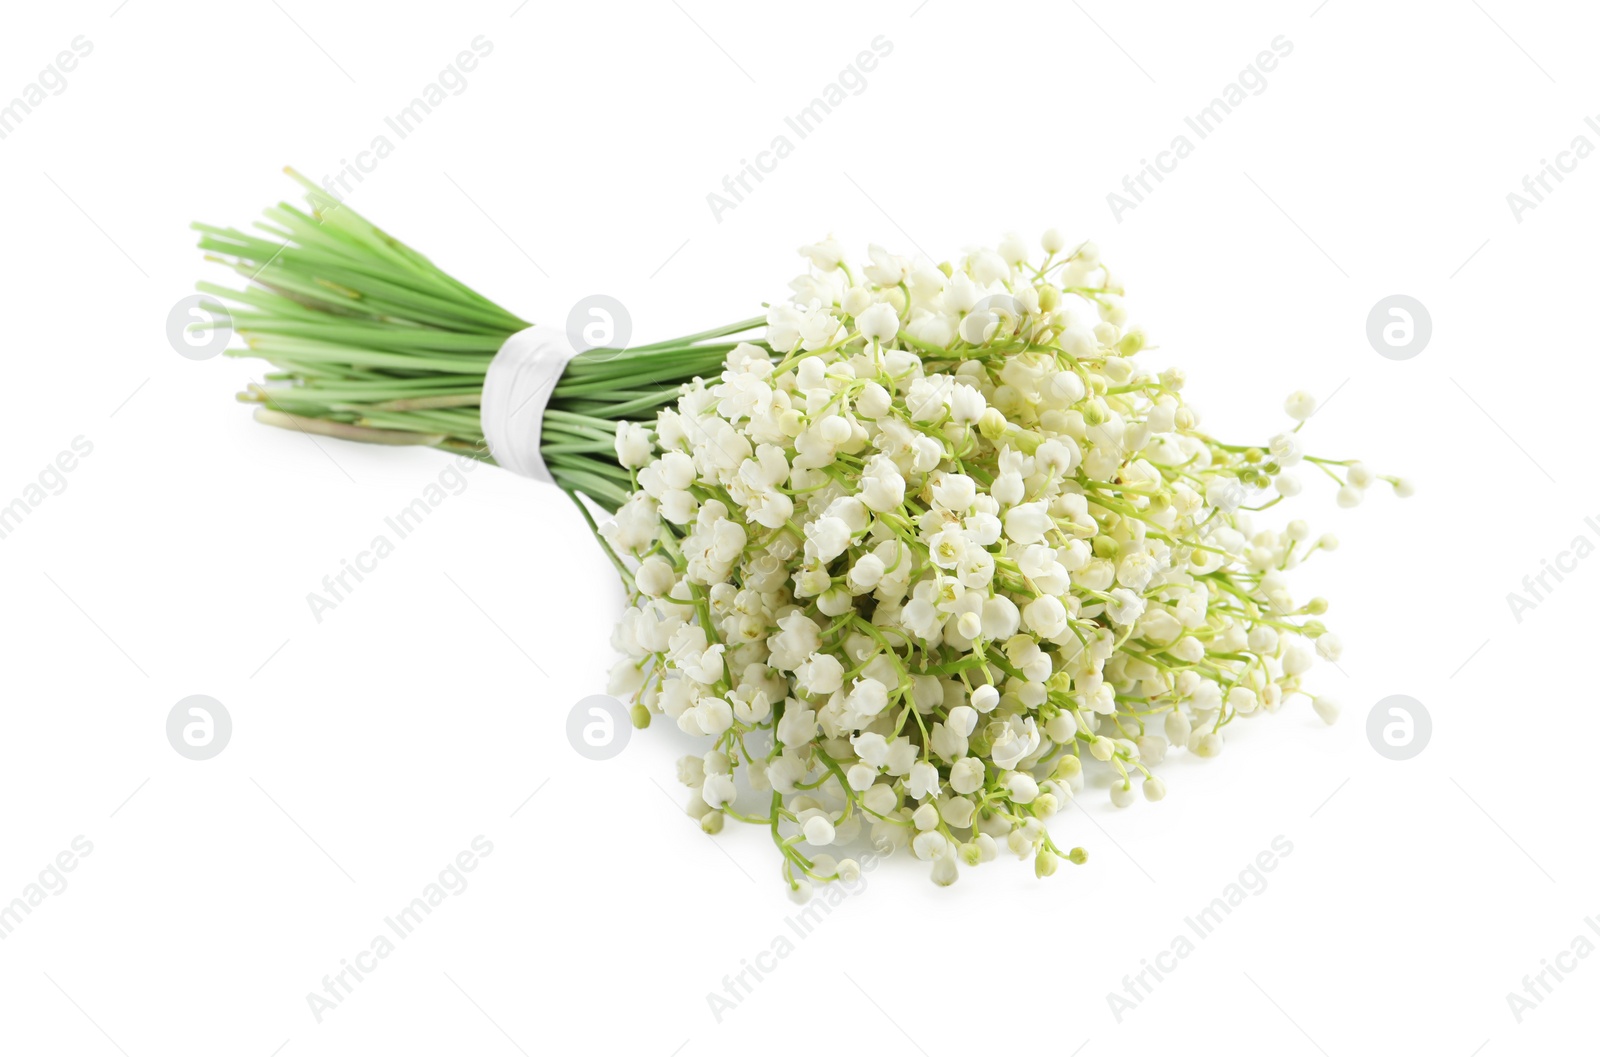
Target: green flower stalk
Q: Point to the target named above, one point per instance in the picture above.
(372, 342)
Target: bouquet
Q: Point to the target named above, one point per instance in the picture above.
(911, 552)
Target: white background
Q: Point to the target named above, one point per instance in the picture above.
(372, 747)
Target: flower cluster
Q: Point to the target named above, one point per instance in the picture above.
(940, 542)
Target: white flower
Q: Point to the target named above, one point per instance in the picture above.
(868, 697)
(655, 577)
(830, 536)
(1057, 456)
(1000, 618)
(929, 844)
(633, 445)
(957, 811)
(713, 715)
(818, 831)
(1022, 787)
(1224, 493)
(1045, 616)
(822, 674)
(1125, 606)
(770, 509)
(679, 507)
(798, 725)
(717, 790)
(692, 770)
(783, 327)
(979, 326)
(1296, 660)
(1301, 405)
(1027, 523)
(961, 294)
(966, 775)
(933, 328)
(885, 269)
(1061, 728)
(827, 254)
(946, 742)
(874, 401)
(948, 547)
(867, 572)
(1019, 739)
(963, 719)
(882, 487)
(987, 267)
(1136, 570)
(818, 328)
(879, 323)
(676, 469)
(924, 780)
(872, 749)
(955, 492)
(967, 404)
(920, 617)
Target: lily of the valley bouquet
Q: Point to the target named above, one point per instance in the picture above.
(912, 553)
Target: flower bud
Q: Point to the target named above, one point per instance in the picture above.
(1300, 405)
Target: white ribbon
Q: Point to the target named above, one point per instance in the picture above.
(515, 393)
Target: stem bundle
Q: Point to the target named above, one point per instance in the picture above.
(373, 342)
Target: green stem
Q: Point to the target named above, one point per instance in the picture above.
(372, 342)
